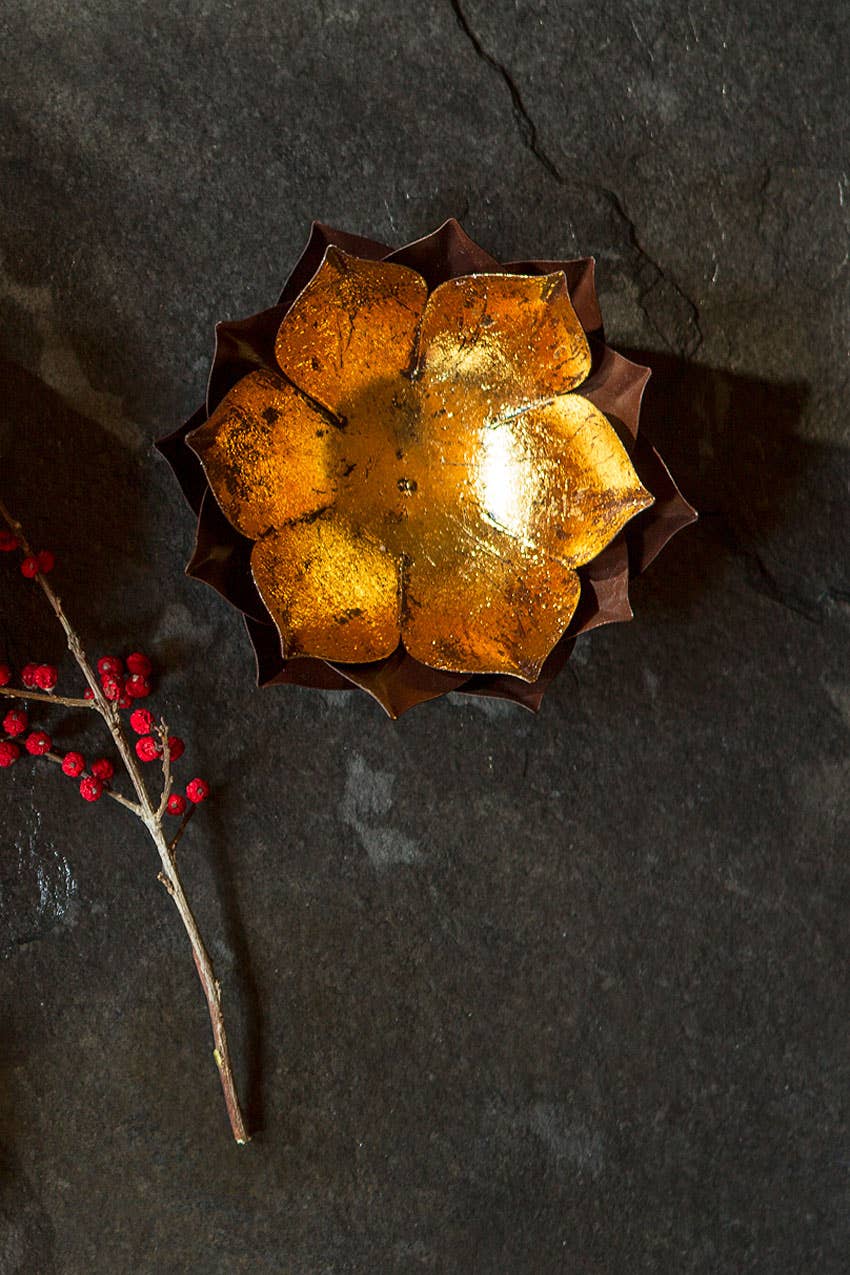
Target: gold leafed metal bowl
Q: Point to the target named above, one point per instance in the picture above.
(402, 468)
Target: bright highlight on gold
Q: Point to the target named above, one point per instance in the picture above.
(421, 471)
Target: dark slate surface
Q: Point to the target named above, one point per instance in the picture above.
(508, 994)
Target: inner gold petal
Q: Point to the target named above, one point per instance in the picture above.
(515, 339)
(490, 607)
(331, 590)
(572, 487)
(353, 325)
(268, 454)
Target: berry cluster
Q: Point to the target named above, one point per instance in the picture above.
(16, 726)
(123, 681)
(32, 564)
(148, 748)
(41, 677)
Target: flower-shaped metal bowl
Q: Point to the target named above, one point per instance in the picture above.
(421, 471)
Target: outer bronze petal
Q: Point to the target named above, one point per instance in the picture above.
(352, 328)
(616, 386)
(242, 346)
(604, 587)
(400, 682)
(222, 559)
(511, 341)
(185, 464)
(267, 454)
(670, 513)
(447, 253)
(330, 588)
(527, 694)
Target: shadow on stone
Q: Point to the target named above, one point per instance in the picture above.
(75, 486)
(733, 444)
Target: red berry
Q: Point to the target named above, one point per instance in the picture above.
(29, 567)
(137, 686)
(46, 561)
(9, 753)
(90, 788)
(138, 663)
(147, 749)
(8, 541)
(113, 687)
(197, 790)
(28, 675)
(176, 804)
(46, 677)
(73, 764)
(123, 700)
(88, 693)
(103, 769)
(38, 742)
(15, 722)
(110, 664)
(5, 675)
(141, 719)
(176, 747)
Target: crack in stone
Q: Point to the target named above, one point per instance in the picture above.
(657, 276)
(525, 124)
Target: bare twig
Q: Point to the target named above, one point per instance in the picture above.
(49, 698)
(172, 845)
(162, 731)
(150, 815)
(110, 792)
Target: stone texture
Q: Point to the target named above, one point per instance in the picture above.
(509, 994)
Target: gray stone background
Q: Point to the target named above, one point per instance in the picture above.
(508, 994)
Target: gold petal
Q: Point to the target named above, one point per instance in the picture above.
(491, 586)
(353, 326)
(492, 606)
(557, 478)
(331, 590)
(514, 340)
(268, 454)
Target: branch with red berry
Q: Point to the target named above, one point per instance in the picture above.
(115, 685)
